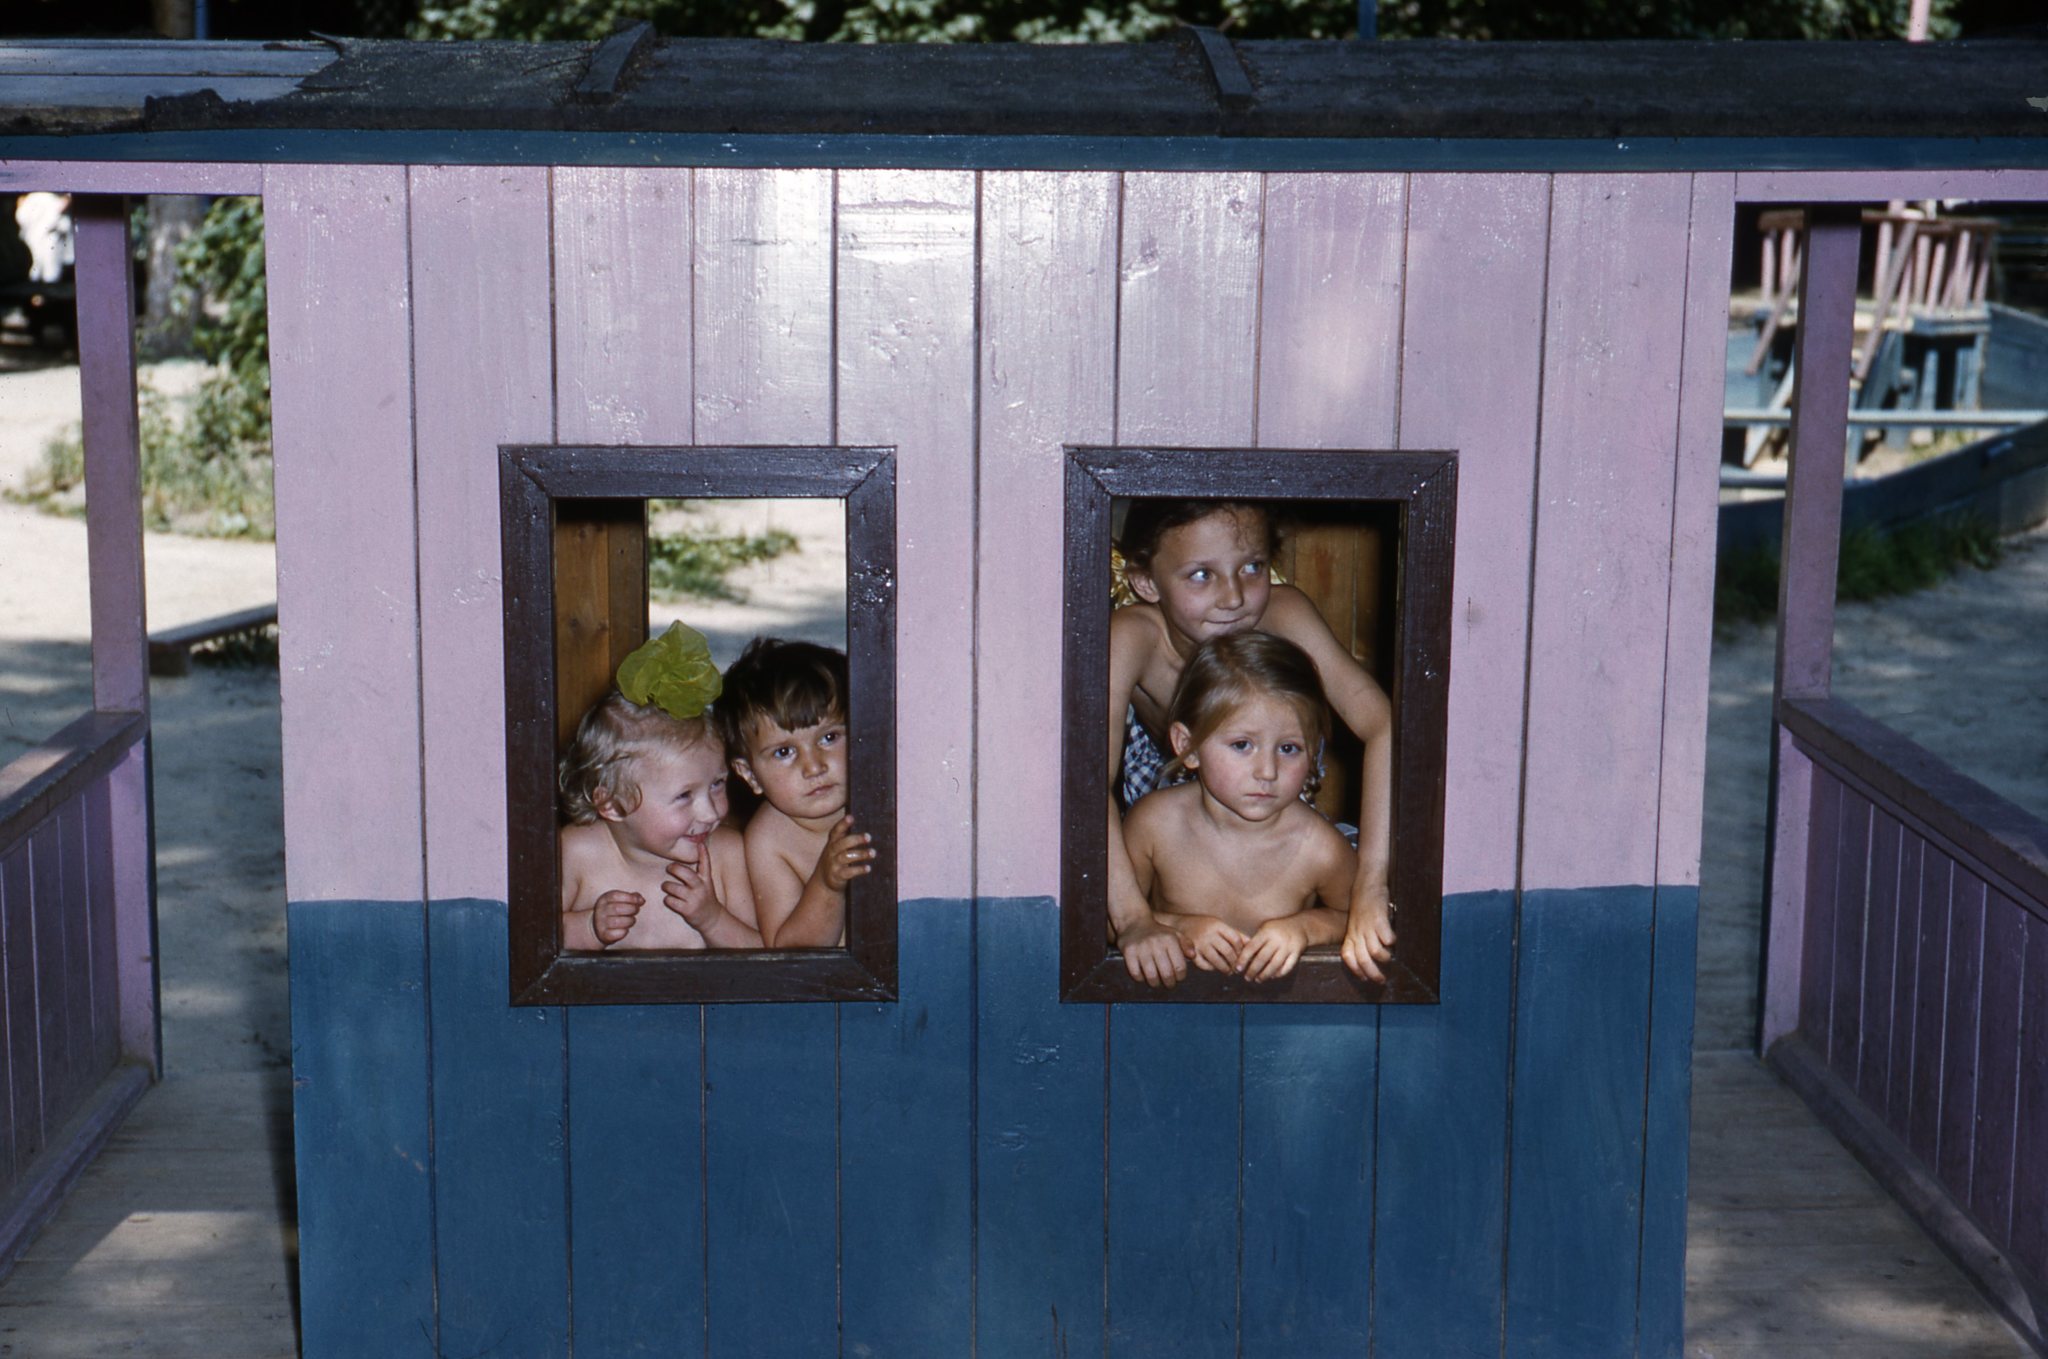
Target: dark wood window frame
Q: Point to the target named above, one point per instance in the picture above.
(1424, 486)
(532, 479)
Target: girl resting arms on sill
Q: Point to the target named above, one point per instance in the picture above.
(1235, 862)
(1199, 570)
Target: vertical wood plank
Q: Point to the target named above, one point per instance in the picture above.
(771, 1209)
(906, 1156)
(1441, 1174)
(1852, 919)
(1048, 376)
(623, 308)
(1330, 312)
(54, 1040)
(1174, 1189)
(1880, 961)
(24, 1029)
(1817, 968)
(501, 1219)
(1998, 1066)
(1695, 507)
(1188, 309)
(1789, 952)
(1667, 1127)
(1953, 1159)
(342, 421)
(636, 1179)
(1329, 377)
(1310, 1075)
(2030, 1142)
(1581, 1056)
(1476, 247)
(113, 464)
(1040, 1091)
(1187, 369)
(1898, 1098)
(1813, 491)
(11, 1075)
(763, 300)
(1930, 1005)
(623, 280)
(483, 377)
(360, 1095)
(906, 375)
(75, 912)
(1613, 327)
(106, 324)
(106, 975)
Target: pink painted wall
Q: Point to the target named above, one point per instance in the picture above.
(1561, 333)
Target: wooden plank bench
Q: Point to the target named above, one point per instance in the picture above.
(170, 651)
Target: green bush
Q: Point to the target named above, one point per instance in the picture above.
(696, 564)
(1873, 564)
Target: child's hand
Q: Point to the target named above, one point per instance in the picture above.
(611, 917)
(1153, 953)
(1274, 950)
(1369, 938)
(687, 892)
(1211, 944)
(847, 856)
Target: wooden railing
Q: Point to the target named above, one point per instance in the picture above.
(60, 979)
(1923, 992)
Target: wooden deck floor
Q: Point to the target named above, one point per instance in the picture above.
(178, 1243)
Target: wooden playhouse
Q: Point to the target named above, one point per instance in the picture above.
(965, 265)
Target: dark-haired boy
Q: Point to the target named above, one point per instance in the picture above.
(783, 715)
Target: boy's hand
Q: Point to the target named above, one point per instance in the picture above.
(687, 892)
(1213, 945)
(1274, 950)
(1153, 953)
(611, 917)
(847, 856)
(1369, 938)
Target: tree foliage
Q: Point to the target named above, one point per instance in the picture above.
(1138, 20)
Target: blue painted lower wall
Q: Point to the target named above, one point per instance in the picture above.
(979, 1169)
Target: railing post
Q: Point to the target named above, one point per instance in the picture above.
(120, 645)
(1810, 546)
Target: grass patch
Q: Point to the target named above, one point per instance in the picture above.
(695, 564)
(205, 471)
(1873, 564)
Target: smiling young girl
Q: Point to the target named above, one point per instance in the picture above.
(1235, 862)
(1200, 569)
(644, 807)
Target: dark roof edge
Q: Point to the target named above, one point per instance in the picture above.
(857, 151)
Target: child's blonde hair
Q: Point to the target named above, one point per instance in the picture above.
(615, 732)
(1226, 671)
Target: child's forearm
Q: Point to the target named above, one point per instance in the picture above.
(1128, 908)
(1324, 925)
(726, 930)
(1375, 816)
(818, 920)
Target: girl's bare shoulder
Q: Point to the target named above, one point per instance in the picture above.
(1135, 625)
(583, 843)
(1292, 614)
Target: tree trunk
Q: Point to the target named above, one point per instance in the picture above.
(171, 218)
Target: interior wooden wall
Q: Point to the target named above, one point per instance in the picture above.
(979, 1165)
